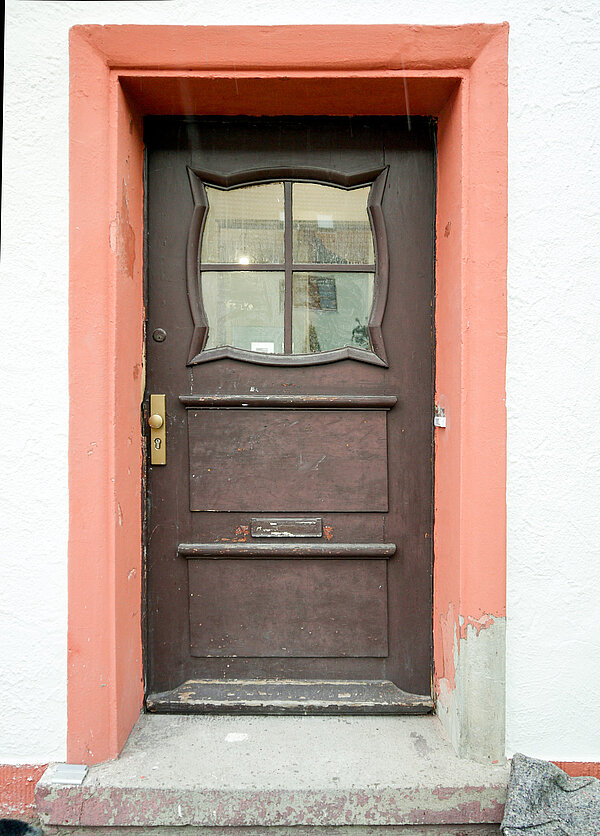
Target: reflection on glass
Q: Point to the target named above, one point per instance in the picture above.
(244, 309)
(331, 225)
(331, 310)
(244, 225)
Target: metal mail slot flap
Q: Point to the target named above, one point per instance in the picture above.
(288, 527)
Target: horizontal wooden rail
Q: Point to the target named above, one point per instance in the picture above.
(287, 550)
(290, 401)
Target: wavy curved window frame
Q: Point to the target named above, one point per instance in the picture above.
(376, 178)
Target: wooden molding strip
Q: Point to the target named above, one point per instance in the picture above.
(291, 401)
(286, 550)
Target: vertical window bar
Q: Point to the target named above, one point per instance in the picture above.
(287, 309)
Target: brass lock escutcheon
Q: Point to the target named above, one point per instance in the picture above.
(158, 430)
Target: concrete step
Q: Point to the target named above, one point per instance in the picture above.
(280, 776)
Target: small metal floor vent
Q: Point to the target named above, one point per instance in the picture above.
(279, 696)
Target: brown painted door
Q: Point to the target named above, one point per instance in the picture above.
(290, 327)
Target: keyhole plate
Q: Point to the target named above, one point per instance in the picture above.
(158, 437)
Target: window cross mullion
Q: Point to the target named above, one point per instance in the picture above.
(287, 309)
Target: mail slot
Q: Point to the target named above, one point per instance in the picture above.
(287, 527)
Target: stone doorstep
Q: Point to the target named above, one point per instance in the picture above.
(278, 775)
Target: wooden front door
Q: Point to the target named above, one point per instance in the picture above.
(290, 329)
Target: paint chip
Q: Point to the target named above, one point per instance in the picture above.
(235, 737)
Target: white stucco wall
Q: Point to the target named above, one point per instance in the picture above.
(553, 656)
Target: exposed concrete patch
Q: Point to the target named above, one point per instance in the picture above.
(473, 711)
(281, 772)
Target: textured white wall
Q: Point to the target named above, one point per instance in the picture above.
(553, 666)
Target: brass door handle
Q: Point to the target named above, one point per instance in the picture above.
(158, 431)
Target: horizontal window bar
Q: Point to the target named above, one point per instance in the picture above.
(254, 267)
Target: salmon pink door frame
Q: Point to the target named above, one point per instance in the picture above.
(121, 73)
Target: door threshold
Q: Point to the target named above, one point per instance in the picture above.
(288, 696)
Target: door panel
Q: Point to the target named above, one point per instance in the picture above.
(276, 460)
(291, 608)
(282, 439)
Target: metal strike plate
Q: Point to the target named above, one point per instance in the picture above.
(158, 435)
(70, 774)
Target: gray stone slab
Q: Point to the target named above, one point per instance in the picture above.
(282, 772)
